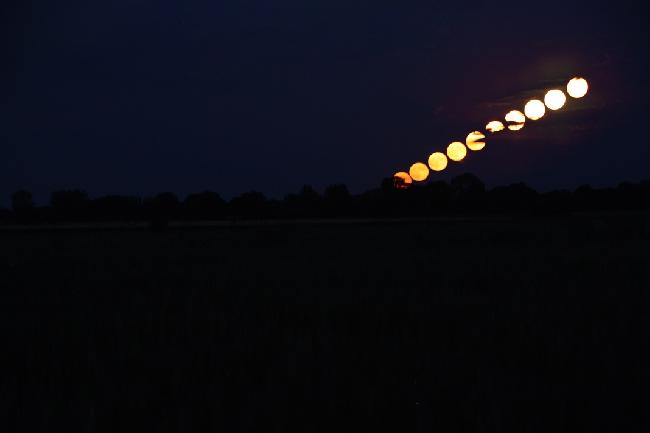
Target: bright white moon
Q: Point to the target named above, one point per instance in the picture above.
(577, 87)
(534, 109)
(514, 120)
(555, 99)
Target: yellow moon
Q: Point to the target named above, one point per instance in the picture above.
(474, 140)
(419, 171)
(535, 109)
(555, 99)
(437, 161)
(456, 151)
(402, 180)
(495, 126)
(516, 120)
(577, 87)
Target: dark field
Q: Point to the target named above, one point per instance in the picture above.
(444, 325)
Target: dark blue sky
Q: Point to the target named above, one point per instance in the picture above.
(143, 96)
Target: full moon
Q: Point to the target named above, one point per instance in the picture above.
(475, 140)
(402, 180)
(419, 171)
(516, 120)
(577, 87)
(495, 126)
(437, 161)
(534, 109)
(555, 99)
(456, 151)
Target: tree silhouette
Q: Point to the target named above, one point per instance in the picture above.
(633, 196)
(70, 205)
(467, 185)
(468, 191)
(205, 205)
(117, 208)
(22, 204)
(307, 203)
(465, 193)
(439, 196)
(338, 201)
(517, 196)
(387, 185)
(5, 215)
(250, 204)
(161, 209)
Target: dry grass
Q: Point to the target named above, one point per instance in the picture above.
(508, 325)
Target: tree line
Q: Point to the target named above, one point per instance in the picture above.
(463, 194)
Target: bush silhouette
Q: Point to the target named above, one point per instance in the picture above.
(117, 208)
(251, 204)
(161, 209)
(517, 196)
(464, 194)
(5, 215)
(307, 203)
(205, 205)
(70, 205)
(22, 204)
(338, 201)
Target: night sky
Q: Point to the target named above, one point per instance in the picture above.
(144, 96)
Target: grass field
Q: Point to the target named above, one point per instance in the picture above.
(474, 325)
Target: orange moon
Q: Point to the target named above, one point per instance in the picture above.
(577, 87)
(535, 109)
(419, 172)
(437, 161)
(475, 140)
(495, 126)
(456, 151)
(516, 120)
(402, 180)
(555, 99)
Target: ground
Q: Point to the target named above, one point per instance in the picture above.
(461, 324)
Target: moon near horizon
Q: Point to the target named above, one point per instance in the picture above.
(419, 172)
(402, 180)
